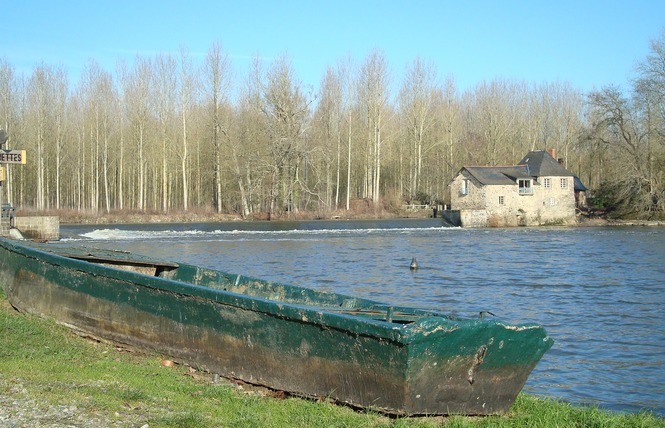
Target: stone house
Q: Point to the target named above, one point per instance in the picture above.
(537, 191)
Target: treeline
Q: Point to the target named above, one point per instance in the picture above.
(168, 134)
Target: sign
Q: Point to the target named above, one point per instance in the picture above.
(12, 156)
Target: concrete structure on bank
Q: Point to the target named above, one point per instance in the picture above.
(39, 227)
(33, 227)
(537, 191)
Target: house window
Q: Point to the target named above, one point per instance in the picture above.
(465, 187)
(564, 183)
(501, 201)
(525, 187)
(552, 202)
(547, 183)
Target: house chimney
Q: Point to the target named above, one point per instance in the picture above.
(552, 152)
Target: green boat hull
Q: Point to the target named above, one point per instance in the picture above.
(393, 359)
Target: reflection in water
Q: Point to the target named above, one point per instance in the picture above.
(598, 291)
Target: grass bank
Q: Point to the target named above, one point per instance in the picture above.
(52, 377)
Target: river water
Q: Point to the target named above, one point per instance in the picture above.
(599, 292)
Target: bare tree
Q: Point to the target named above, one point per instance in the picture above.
(250, 165)
(139, 105)
(165, 91)
(332, 132)
(496, 111)
(346, 76)
(187, 98)
(217, 71)
(122, 78)
(285, 107)
(60, 101)
(417, 105)
(40, 94)
(450, 116)
(374, 97)
(7, 115)
(98, 96)
(618, 125)
(7, 91)
(650, 97)
(328, 126)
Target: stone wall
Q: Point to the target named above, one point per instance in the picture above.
(474, 218)
(466, 218)
(474, 199)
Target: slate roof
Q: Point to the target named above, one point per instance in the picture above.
(501, 175)
(536, 163)
(579, 186)
(542, 164)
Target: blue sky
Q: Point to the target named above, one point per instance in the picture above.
(587, 43)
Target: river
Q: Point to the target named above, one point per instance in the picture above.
(599, 291)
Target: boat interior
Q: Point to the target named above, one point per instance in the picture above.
(239, 284)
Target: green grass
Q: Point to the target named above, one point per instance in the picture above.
(49, 366)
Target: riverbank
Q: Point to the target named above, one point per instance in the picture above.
(603, 222)
(51, 377)
(360, 211)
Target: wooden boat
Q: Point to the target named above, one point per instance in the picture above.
(392, 359)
